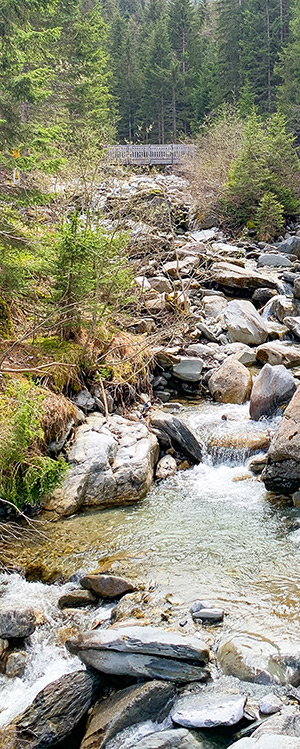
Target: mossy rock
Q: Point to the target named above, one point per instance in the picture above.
(6, 325)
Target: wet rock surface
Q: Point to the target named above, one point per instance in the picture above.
(178, 738)
(282, 472)
(127, 707)
(106, 586)
(272, 388)
(171, 431)
(16, 622)
(231, 383)
(201, 711)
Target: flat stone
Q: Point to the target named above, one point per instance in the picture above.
(274, 261)
(268, 741)
(142, 640)
(278, 352)
(206, 711)
(209, 615)
(16, 621)
(231, 275)
(139, 665)
(177, 738)
(126, 708)
(77, 598)
(188, 369)
(107, 586)
(270, 704)
(161, 284)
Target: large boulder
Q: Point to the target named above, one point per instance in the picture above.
(143, 651)
(53, 714)
(236, 276)
(273, 260)
(272, 388)
(188, 369)
(172, 432)
(16, 621)
(278, 352)
(126, 708)
(293, 323)
(111, 463)
(282, 472)
(244, 323)
(207, 711)
(251, 658)
(231, 382)
(279, 306)
(290, 246)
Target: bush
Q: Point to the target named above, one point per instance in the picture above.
(26, 473)
(267, 163)
(269, 217)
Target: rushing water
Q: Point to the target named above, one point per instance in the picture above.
(210, 532)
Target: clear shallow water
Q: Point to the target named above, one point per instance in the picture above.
(210, 532)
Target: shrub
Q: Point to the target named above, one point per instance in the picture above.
(26, 473)
(267, 163)
(269, 217)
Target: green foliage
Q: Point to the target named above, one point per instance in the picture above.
(6, 326)
(26, 474)
(269, 217)
(267, 163)
(90, 270)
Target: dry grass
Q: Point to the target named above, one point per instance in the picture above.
(218, 145)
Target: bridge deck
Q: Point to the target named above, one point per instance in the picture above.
(172, 153)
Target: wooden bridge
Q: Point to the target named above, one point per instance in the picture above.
(172, 153)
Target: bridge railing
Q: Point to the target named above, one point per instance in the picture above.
(171, 153)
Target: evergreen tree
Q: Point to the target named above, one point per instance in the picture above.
(288, 93)
(156, 100)
(183, 39)
(227, 82)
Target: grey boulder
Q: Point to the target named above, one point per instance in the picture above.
(126, 708)
(251, 658)
(143, 651)
(293, 323)
(282, 472)
(53, 714)
(267, 741)
(290, 246)
(172, 432)
(16, 621)
(188, 369)
(244, 323)
(274, 260)
(278, 352)
(177, 738)
(207, 711)
(272, 388)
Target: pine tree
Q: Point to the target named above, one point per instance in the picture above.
(288, 69)
(260, 46)
(227, 79)
(156, 100)
(183, 38)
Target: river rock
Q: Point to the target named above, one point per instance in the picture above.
(244, 323)
(278, 352)
(161, 284)
(296, 289)
(207, 711)
(282, 472)
(166, 467)
(286, 723)
(85, 401)
(126, 708)
(280, 306)
(107, 586)
(16, 621)
(250, 658)
(53, 714)
(204, 611)
(290, 246)
(172, 432)
(177, 738)
(235, 276)
(261, 296)
(111, 462)
(76, 598)
(142, 651)
(213, 305)
(185, 267)
(231, 382)
(273, 387)
(293, 324)
(16, 663)
(188, 369)
(274, 260)
(267, 741)
(270, 704)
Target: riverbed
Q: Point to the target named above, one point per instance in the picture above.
(210, 532)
